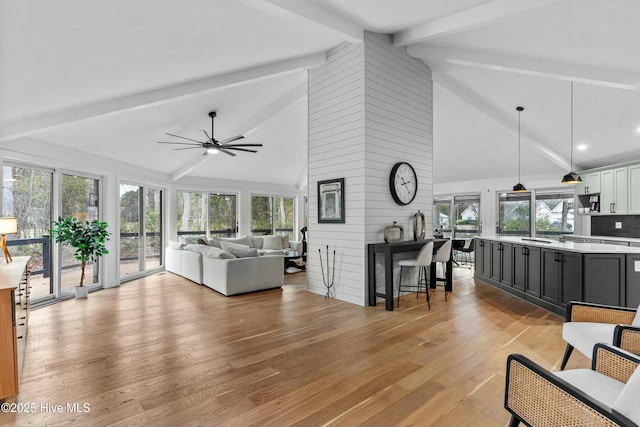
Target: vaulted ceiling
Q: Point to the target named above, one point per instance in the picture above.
(112, 77)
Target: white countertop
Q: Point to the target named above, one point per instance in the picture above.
(610, 238)
(595, 248)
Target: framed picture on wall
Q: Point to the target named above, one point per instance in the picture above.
(331, 201)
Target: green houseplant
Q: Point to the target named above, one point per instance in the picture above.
(87, 238)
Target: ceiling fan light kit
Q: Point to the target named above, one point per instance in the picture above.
(212, 145)
(519, 188)
(571, 177)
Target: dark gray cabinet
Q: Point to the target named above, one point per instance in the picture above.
(561, 276)
(632, 280)
(502, 262)
(483, 258)
(604, 279)
(526, 269)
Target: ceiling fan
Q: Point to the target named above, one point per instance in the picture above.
(212, 145)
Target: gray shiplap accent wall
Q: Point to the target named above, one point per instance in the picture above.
(370, 106)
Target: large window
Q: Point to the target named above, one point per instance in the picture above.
(467, 211)
(442, 216)
(140, 229)
(26, 195)
(210, 214)
(514, 214)
(554, 213)
(273, 215)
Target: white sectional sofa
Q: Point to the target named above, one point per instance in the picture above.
(223, 272)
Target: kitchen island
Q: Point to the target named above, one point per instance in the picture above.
(549, 273)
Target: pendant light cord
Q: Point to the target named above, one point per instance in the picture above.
(519, 159)
(571, 154)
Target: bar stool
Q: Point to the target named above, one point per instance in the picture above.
(443, 256)
(423, 263)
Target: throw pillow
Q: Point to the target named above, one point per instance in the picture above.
(213, 252)
(636, 320)
(175, 245)
(196, 248)
(215, 241)
(243, 240)
(242, 252)
(201, 242)
(257, 242)
(285, 241)
(227, 245)
(272, 242)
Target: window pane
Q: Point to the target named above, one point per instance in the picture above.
(80, 200)
(467, 217)
(442, 219)
(129, 229)
(191, 212)
(284, 216)
(554, 214)
(261, 215)
(26, 195)
(514, 214)
(222, 215)
(153, 228)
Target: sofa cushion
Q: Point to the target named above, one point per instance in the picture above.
(272, 242)
(196, 248)
(243, 240)
(257, 242)
(190, 240)
(584, 335)
(285, 241)
(243, 252)
(636, 320)
(213, 252)
(227, 245)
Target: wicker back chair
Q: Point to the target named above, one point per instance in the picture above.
(588, 324)
(605, 395)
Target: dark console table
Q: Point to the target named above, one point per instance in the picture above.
(388, 250)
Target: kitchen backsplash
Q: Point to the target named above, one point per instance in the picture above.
(605, 225)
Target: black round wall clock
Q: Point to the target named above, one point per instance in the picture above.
(403, 183)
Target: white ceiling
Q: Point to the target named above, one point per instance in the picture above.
(112, 77)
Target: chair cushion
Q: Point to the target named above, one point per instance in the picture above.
(636, 320)
(584, 335)
(407, 262)
(627, 401)
(600, 387)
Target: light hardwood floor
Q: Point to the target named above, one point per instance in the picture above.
(165, 351)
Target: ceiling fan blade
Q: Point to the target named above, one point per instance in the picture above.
(227, 152)
(244, 145)
(187, 148)
(177, 143)
(184, 137)
(240, 149)
(209, 138)
(233, 138)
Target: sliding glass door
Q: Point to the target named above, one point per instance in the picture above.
(140, 229)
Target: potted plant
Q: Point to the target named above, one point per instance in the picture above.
(87, 238)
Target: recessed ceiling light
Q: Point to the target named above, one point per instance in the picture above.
(581, 147)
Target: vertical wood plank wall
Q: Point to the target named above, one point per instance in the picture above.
(370, 106)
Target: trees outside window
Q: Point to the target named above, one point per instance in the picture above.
(273, 215)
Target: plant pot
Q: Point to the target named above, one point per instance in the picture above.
(81, 291)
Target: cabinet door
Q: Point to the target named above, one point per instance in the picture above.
(495, 261)
(478, 257)
(590, 183)
(620, 191)
(604, 279)
(607, 192)
(506, 263)
(519, 267)
(550, 276)
(633, 189)
(571, 277)
(534, 271)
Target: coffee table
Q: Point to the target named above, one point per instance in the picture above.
(289, 256)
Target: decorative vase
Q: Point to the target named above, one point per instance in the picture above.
(393, 233)
(418, 226)
(81, 291)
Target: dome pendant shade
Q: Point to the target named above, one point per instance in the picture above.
(571, 178)
(519, 188)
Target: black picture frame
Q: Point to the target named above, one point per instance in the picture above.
(331, 201)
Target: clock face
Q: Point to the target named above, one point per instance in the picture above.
(403, 183)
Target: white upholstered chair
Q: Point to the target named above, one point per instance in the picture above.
(587, 324)
(423, 263)
(605, 395)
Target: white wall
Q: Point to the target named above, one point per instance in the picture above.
(370, 106)
(34, 152)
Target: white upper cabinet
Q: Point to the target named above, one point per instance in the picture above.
(633, 190)
(590, 184)
(613, 191)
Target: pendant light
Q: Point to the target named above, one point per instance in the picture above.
(571, 177)
(519, 188)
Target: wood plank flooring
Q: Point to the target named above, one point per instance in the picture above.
(164, 351)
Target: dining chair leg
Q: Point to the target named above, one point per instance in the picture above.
(399, 286)
(426, 285)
